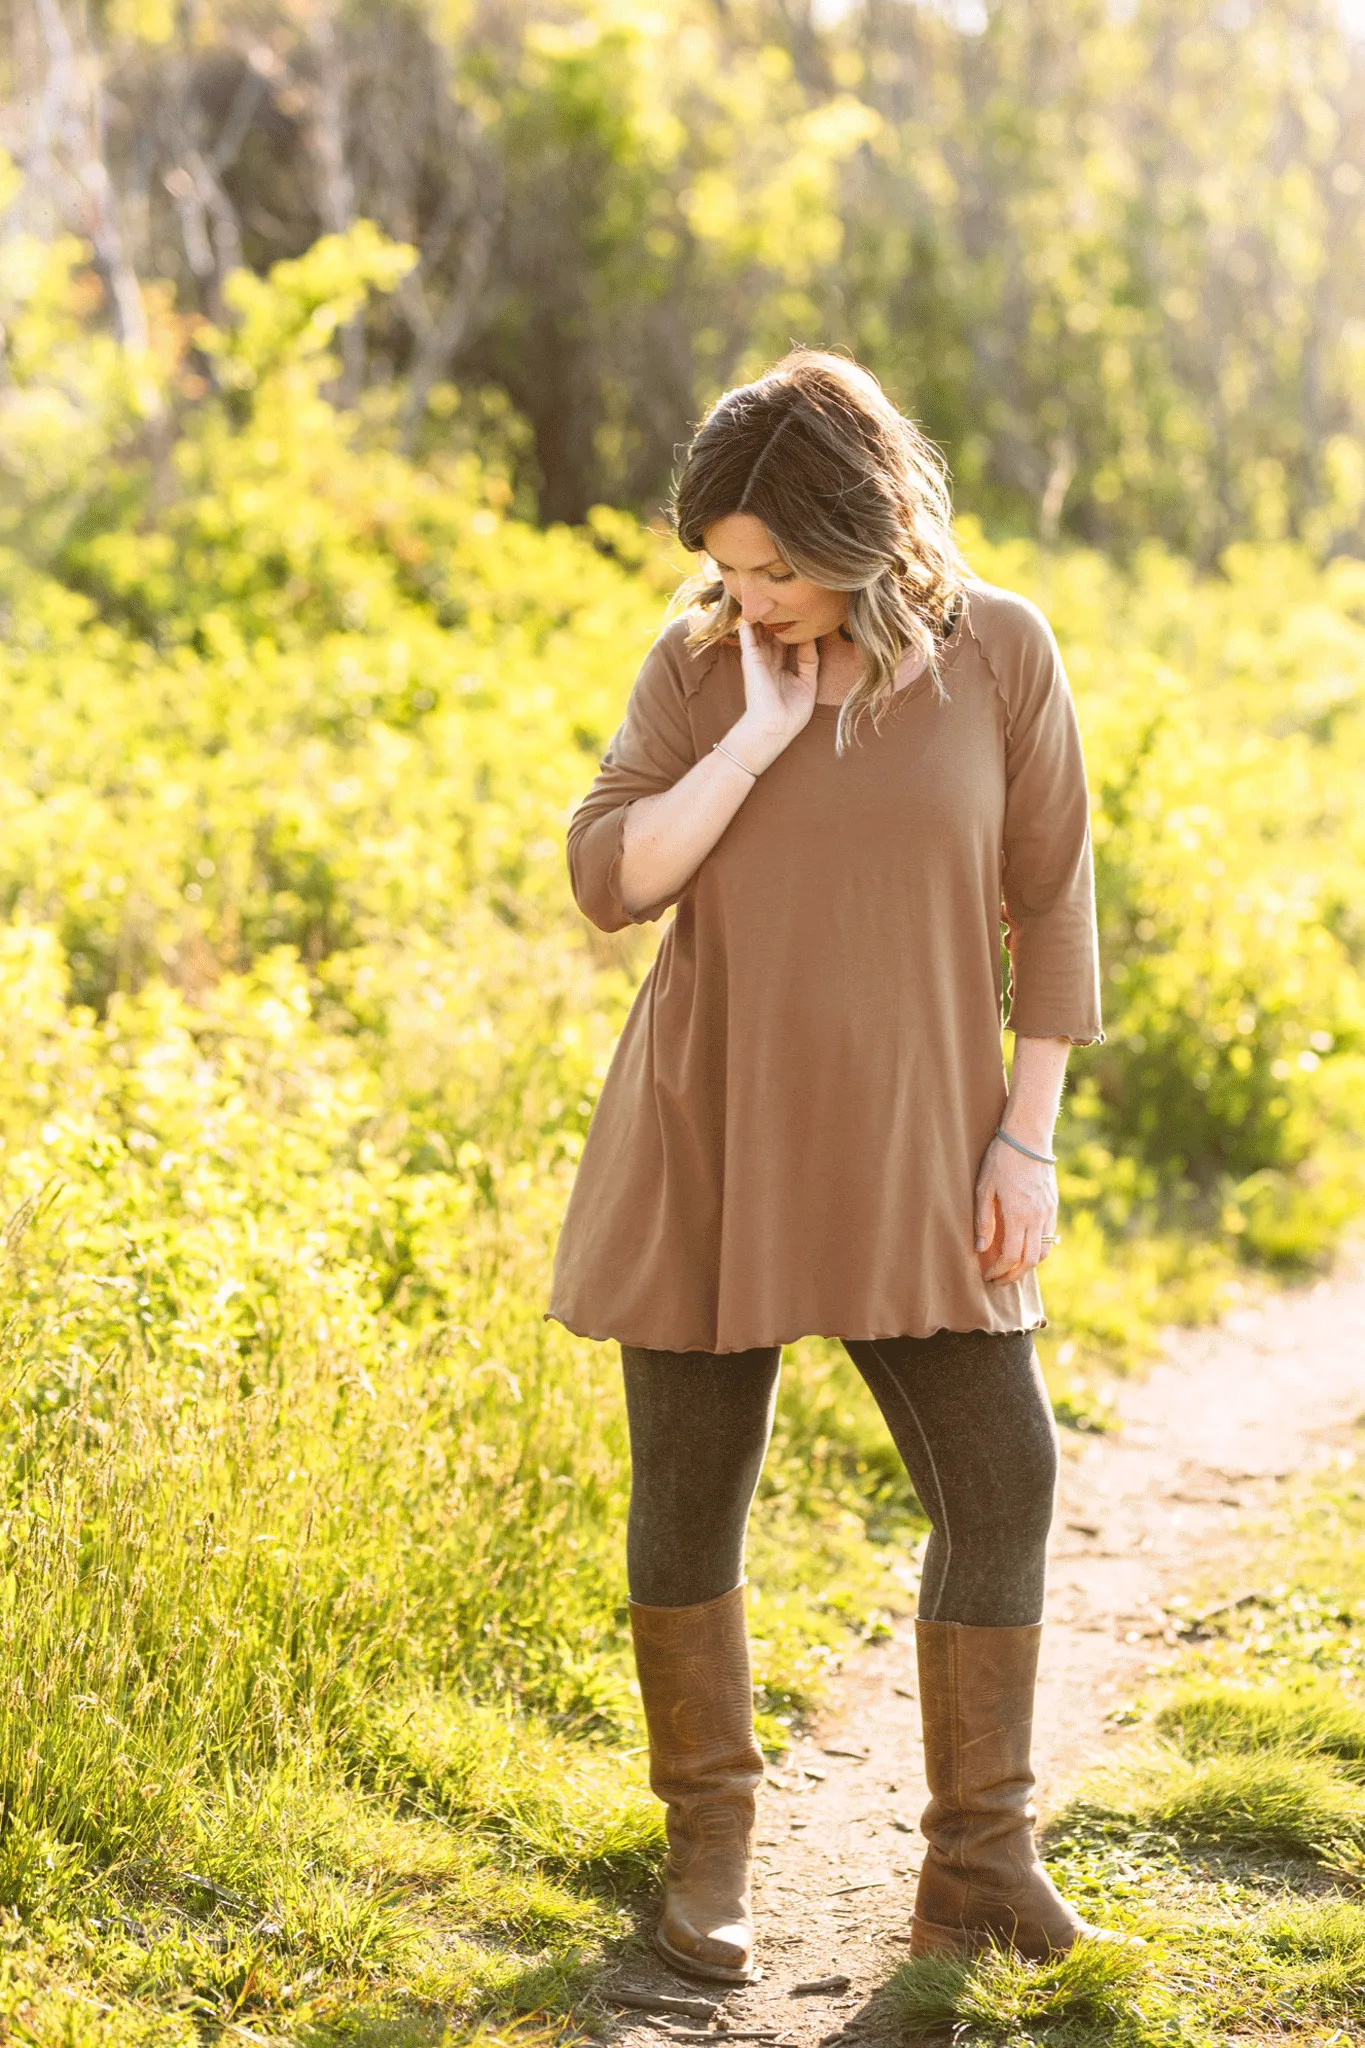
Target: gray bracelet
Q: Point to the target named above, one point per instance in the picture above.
(717, 747)
(1043, 1158)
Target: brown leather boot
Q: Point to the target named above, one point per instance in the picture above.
(981, 1883)
(704, 1763)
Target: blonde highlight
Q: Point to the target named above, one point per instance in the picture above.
(858, 502)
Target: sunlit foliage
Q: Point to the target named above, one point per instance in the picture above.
(1113, 256)
(310, 1535)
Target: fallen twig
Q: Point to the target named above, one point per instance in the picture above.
(820, 1984)
(663, 2001)
(769, 2034)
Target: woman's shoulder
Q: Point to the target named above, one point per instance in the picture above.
(1004, 620)
(1014, 644)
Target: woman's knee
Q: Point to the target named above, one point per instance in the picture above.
(1031, 1478)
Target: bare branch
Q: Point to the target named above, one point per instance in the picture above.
(1063, 469)
(327, 129)
(444, 334)
(247, 98)
(76, 94)
(336, 196)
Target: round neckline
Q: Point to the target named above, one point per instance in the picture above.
(916, 684)
(911, 690)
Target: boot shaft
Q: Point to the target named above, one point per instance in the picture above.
(976, 1700)
(696, 1687)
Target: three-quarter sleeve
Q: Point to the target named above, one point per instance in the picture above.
(1048, 879)
(651, 750)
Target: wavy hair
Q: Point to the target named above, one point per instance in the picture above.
(854, 496)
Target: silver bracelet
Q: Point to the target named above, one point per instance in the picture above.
(719, 748)
(1043, 1158)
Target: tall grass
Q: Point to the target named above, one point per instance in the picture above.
(307, 1604)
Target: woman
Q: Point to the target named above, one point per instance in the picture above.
(840, 766)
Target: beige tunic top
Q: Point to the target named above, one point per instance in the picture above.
(788, 1139)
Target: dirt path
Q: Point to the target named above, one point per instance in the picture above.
(1148, 1513)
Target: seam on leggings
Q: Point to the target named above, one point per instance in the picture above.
(933, 1467)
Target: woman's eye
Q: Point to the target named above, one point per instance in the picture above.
(790, 577)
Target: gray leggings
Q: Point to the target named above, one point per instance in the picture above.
(967, 1411)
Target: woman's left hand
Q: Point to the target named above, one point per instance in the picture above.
(1016, 1208)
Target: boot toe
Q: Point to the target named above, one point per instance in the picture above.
(725, 1951)
(1039, 1943)
(1088, 1933)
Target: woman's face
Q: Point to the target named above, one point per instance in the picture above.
(765, 589)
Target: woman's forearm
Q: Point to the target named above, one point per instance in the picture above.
(1035, 1095)
(667, 837)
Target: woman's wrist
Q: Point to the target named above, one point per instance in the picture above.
(1035, 1152)
(1034, 1132)
(1035, 1092)
(754, 745)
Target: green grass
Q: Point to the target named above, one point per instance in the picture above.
(1312, 1718)
(1279, 1800)
(250, 1772)
(1096, 1987)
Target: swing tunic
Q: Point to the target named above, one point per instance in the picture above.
(788, 1139)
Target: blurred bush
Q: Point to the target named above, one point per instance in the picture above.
(1224, 726)
(1112, 257)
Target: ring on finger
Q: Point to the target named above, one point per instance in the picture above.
(1050, 1241)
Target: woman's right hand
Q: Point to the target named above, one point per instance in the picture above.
(666, 837)
(778, 698)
